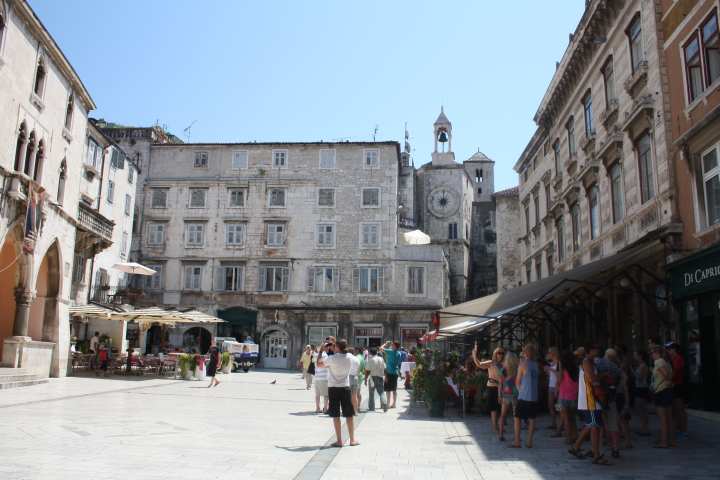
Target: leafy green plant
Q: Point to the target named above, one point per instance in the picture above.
(186, 362)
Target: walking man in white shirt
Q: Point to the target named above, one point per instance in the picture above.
(375, 372)
(338, 370)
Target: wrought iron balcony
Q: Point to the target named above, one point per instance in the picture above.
(91, 221)
(116, 295)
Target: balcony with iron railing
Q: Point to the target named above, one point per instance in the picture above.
(91, 221)
(117, 294)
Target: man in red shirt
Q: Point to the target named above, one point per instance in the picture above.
(679, 389)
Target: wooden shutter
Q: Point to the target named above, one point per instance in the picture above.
(284, 276)
(219, 279)
(381, 282)
(263, 278)
(336, 279)
(356, 279)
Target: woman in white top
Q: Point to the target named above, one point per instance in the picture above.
(321, 381)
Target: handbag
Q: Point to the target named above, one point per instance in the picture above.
(311, 368)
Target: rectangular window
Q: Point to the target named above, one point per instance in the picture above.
(323, 279)
(236, 197)
(201, 160)
(587, 113)
(643, 147)
(233, 278)
(327, 158)
(693, 68)
(198, 197)
(416, 280)
(325, 235)
(371, 158)
(111, 191)
(617, 192)
(193, 277)
(274, 277)
(276, 198)
(131, 174)
(78, 268)
(124, 244)
(570, 127)
(194, 234)
(527, 218)
(317, 334)
(128, 204)
(556, 153)
(609, 82)
(536, 203)
(280, 158)
(159, 197)
(154, 281)
(560, 230)
(594, 212)
(94, 151)
(548, 199)
(634, 33)
(369, 235)
(276, 234)
(240, 160)
(711, 46)
(156, 233)
(368, 279)
(326, 197)
(452, 231)
(370, 197)
(234, 234)
(711, 185)
(115, 159)
(576, 232)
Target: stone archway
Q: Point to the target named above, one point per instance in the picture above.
(10, 280)
(198, 338)
(44, 322)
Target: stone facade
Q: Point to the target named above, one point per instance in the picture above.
(507, 212)
(44, 108)
(285, 240)
(596, 177)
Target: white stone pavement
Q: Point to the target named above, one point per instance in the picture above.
(248, 428)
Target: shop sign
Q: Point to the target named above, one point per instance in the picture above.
(695, 275)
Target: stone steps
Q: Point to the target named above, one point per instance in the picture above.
(18, 377)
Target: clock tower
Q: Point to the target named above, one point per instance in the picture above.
(445, 201)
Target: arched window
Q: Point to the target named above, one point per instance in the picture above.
(39, 160)
(40, 75)
(29, 154)
(61, 182)
(20, 148)
(69, 111)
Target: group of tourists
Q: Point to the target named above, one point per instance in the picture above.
(339, 372)
(605, 390)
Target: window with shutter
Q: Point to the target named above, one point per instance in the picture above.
(368, 279)
(198, 197)
(159, 197)
(326, 197)
(234, 234)
(327, 158)
(156, 233)
(240, 160)
(201, 160)
(369, 235)
(236, 197)
(325, 235)
(371, 158)
(110, 191)
(274, 277)
(280, 158)
(276, 198)
(370, 197)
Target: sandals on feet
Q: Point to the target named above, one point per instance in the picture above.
(601, 460)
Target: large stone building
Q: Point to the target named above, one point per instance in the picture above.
(289, 242)
(596, 179)
(44, 205)
(691, 50)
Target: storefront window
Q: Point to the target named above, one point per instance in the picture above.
(317, 334)
(410, 335)
(368, 336)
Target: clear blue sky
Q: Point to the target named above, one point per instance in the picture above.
(321, 70)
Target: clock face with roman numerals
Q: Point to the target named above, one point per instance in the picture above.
(443, 202)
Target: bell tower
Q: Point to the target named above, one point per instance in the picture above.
(442, 130)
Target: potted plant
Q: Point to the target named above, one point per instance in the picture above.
(430, 382)
(186, 362)
(226, 362)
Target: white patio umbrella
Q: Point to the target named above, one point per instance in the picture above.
(416, 237)
(134, 268)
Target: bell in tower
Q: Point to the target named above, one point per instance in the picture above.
(443, 136)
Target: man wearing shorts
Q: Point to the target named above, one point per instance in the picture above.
(338, 370)
(392, 371)
(589, 408)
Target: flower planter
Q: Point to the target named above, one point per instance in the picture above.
(227, 369)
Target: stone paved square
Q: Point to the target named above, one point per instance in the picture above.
(249, 428)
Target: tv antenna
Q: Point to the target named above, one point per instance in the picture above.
(375, 131)
(187, 130)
